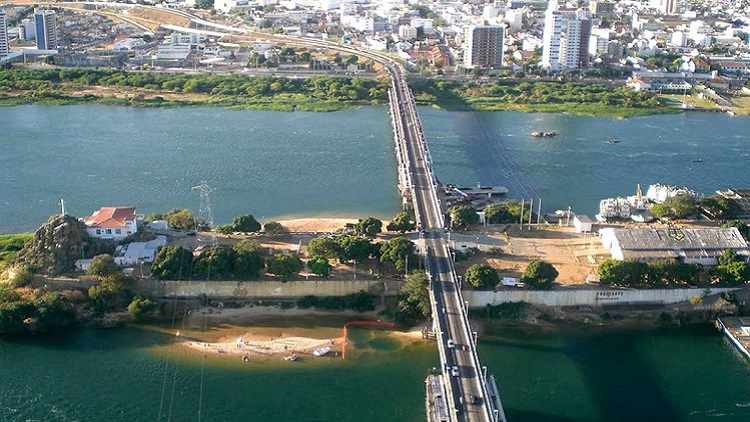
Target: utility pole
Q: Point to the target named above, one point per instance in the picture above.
(62, 206)
(539, 214)
(520, 221)
(531, 211)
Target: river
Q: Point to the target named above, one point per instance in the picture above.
(545, 375)
(276, 164)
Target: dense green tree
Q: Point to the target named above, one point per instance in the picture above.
(414, 300)
(463, 216)
(498, 213)
(246, 224)
(285, 265)
(626, 273)
(661, 211)
(325, 246)
(53, 311)
(225, 229)
(275, 229)
(103, 265)
(183, 220)
(398, 250)
(402, 223)
(139, 307)
(355, 248)
(153, 217)
(720, 207)
(540, 274)
(682, 205)
(247, 260)
(739, 225)
(319, 265)
(113, 292)
(360, 301)
(13, 315)
(214, 263)
(729, 257)
(172, 263)
(734, 273)
(481, 276)
(368, 226)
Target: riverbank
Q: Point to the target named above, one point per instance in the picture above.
(268, 332)
(169, 90)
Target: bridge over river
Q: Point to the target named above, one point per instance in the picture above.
(462, 391)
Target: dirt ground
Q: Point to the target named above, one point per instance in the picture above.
(574, 255)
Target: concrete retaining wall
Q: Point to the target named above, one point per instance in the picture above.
(479, 299)
(266, 289)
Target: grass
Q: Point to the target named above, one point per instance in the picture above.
(674, 101)
(10, 245)
(742, 104)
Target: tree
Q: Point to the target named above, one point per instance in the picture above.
(414, 299)
(214, 263)
(140, 306)
(246, 224)
(247, 260)
(153, 217)
(172, 263)
(324, 246)
(498, 213)
(661, 211)
(103, 265)
(275, 229)
(682, 205)
(183, 220)
(462, 216)
(401, 223)
(539, 274)
(729, 257)
(481, 276)
(368, 226)
(739, 225)
(319, 265)
(225, 229)
(285, 265)
(53, 311)
(355, 248)
(720, 207)
(627, 273)
(398, 250)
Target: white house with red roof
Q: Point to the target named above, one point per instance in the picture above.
(111, 223)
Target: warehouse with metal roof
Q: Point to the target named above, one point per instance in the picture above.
(703, 246)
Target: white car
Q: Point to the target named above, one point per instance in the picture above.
(454, 371)
(451, 344)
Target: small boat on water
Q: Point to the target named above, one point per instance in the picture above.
(612, 142)
(245, 358)
(322, 351)
(697, 160)
(291, 358)
(544, 134)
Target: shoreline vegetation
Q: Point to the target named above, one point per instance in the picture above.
(68, 86)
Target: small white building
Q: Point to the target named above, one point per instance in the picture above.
(111, 223)
(582, 223)
(135, 253)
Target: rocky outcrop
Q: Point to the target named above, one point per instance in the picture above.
(56, 246)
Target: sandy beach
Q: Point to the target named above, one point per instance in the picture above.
(315, 225)
(267, 332)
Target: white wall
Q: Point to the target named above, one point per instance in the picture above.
(588, 297)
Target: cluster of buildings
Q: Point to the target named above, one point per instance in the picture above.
(116, 224)
(42, 28)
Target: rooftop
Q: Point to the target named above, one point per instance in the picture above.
(645, 239)
(111, 217)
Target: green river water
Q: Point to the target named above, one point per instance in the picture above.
(546, 375)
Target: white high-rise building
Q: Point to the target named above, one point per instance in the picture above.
(483, 46)
(566, 38)
(4, 43)
(46, 29)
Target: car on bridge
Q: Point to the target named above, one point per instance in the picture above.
(451, 344)
(454, 371)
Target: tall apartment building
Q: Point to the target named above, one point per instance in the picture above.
(4, 43)
(668, 7)
(566, 38)
(483, 46)
(46, 29)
